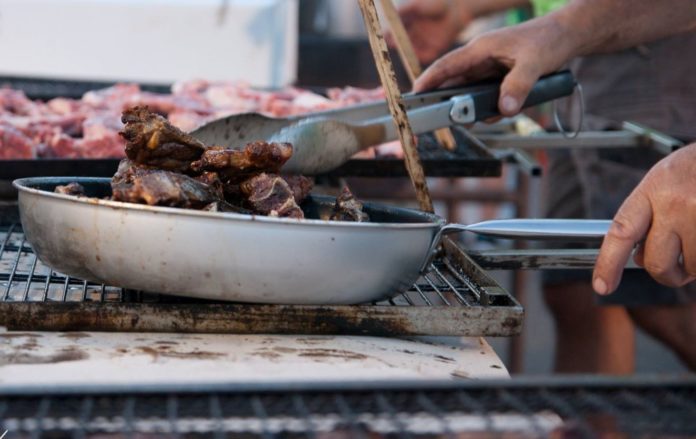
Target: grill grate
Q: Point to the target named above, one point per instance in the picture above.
(448, 300)
(587, 407)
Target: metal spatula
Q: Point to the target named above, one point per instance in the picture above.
(323, 141)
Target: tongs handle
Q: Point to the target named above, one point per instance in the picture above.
(478, 103)
(547, 88)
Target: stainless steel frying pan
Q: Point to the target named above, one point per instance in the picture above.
(246, 258)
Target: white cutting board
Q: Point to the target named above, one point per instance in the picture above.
(48, 358)
(156, 41)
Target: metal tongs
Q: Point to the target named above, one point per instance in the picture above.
(323, 141)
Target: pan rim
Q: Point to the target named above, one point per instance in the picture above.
(21, 185)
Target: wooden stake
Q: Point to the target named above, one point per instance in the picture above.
(396, 106)
(410, 61)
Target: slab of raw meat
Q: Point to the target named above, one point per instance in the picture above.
(14, 144)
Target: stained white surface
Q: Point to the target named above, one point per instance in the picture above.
(42, 358)
(156, 41)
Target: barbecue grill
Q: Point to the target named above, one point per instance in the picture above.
(584, 407)
(455, 297)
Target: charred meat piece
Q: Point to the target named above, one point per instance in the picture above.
(348, 208)
(151, 140)
(269, 194)
(301, 186)
(236, 165)
(213, 181)
(162, 188)
(71, 189)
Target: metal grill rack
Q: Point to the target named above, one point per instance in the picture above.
(583, 407)
(455, 297)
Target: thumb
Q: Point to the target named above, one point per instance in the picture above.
(515, 88)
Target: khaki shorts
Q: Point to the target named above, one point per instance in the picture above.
(591, 184)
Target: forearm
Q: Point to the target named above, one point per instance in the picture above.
(481, 8)
(599, 26)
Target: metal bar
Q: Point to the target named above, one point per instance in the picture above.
(462, 299)
(386, 407)
(423, 296)
(261, 319)
(13, 271)
(347, 414)
(539, 259)
(587, 139)
(216, 416)
(432, 409)
(47, 285)
(565, 409)
(437, 290)
(128, 415)
(520, 407)
(475, 407)
(41, 412)
(85, 413)
(301, 409)
(172, 409)
(30, 279)
(676, 382)
(659, 141)
(261, 413)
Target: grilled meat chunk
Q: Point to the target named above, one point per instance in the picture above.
(136, 184)
(348, 208)
(301, 186)
(71, 189)
(213, 181)
(151, 140)
(269, 194)
(235, 166)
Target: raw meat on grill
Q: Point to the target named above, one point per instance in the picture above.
(270, 194)
(14, 144)
(92, 123)
(151, 140)
(348, 208)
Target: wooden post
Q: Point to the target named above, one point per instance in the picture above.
(410, 61)
(394, 101)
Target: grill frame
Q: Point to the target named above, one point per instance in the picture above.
(456, 298)
(582, 406)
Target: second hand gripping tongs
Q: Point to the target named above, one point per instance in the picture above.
(323, 141)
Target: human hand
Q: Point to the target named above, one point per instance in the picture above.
(432, 25)
(522, 53)
(660, 216)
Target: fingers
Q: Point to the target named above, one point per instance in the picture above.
(516, 87)
(453, 65)
(662, 259)
(630, 226)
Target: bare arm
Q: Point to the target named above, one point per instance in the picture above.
(525, 52)
(598, 26)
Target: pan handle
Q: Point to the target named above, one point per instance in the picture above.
(575, 230)
(447, 229)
